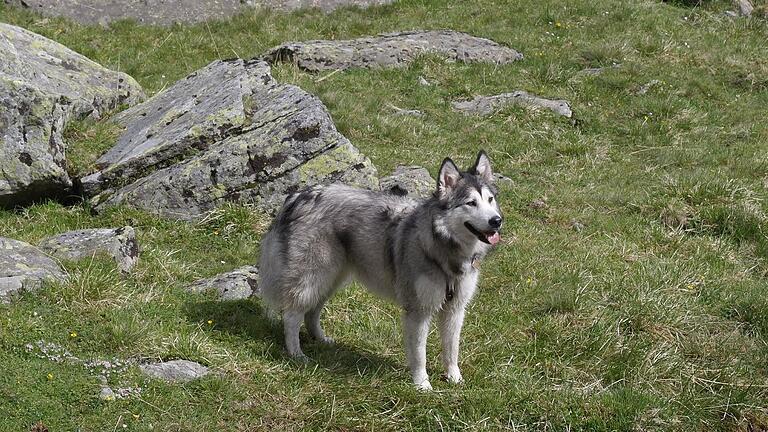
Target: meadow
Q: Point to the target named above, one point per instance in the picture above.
(632, 296)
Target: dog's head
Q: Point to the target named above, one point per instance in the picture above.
(469, 198)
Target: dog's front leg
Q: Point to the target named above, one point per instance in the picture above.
(416, 329)
(451, 321)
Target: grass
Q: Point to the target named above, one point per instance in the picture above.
(651, 317)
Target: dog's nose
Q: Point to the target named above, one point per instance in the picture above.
(494, 222)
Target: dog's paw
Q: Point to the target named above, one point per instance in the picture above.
(327, 341)
(424, 386)
(454, 378)
(300, 358)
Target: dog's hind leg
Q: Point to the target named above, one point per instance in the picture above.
(312, 317)
(291, 326)
(312, 321)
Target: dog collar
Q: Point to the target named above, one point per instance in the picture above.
(449, 289)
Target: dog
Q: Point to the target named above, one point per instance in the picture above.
(423, 255)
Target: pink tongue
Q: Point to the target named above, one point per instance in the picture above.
(495, 238)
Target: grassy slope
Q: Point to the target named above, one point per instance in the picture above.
(652, 317)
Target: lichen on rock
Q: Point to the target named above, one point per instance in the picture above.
(43, 85)
(228, 132)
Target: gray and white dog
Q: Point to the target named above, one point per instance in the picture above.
(423, 255)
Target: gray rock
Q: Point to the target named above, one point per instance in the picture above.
(175, 370)
(485, 105)
(238, 284)
(413, 181)
(423, 82)
(502, 180)
(119, 243)
(595, 71)
(107, 394)
(406, 112)
(23, 266)
(228, 132)
(645, 88)
(576, 225)
(42, 85)
(390, 50)
(168, 12)
(539, 204)
(744, 7)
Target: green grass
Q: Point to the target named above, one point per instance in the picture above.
(652, 317)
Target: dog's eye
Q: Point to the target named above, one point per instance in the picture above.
(490, 199)
(472, 203)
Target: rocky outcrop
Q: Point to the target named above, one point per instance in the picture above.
(119, 243)
(178, 371)
(413, 181)
(168, 12)
(42, 85)
(228, 132)
(24, 267)
(238, 284)
(485, 105)
(390, 50)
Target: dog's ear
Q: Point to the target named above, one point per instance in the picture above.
(482, 167)
(448, 177)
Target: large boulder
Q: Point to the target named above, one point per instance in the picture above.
(228, 132)
(165, 12)
(118, 243)
(24, 267)
(42, 85)
(390, 50)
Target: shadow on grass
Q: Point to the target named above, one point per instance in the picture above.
(249, 319)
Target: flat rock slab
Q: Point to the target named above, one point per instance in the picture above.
(165, 12)
(179, 371)
(43, 84)
(390, 50)
(24, 267)
(486, 105)
(412, 181)
(239, 284)
(119, 243)
(228, 132)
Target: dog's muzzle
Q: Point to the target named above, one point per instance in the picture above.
(489, 237)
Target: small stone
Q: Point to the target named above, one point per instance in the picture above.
(107, 394)
(412, 181)
(648, 86)
(539, 204)
(502, 180)
(119, 243)
(406, 112)
(745, 7)
(237, 284)
(175, 370)
(25, 267)
(576, 225)
(486, 105)
(423, 82)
